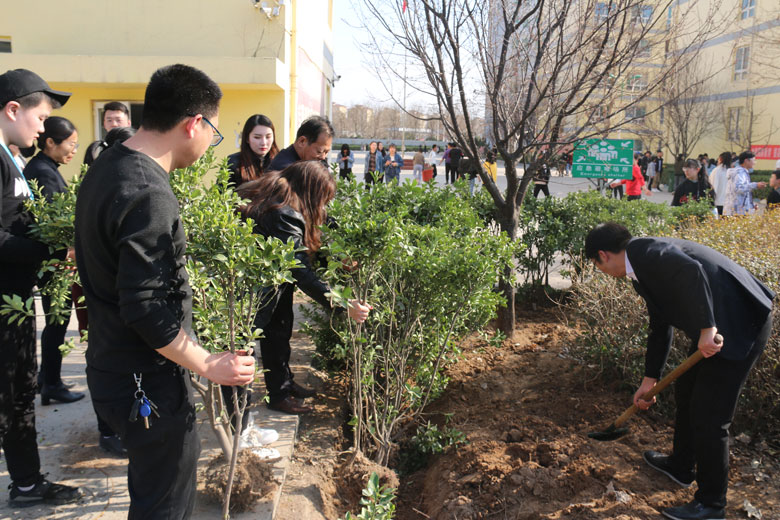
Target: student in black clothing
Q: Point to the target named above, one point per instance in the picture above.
(346, 160)
(258, 148)
(290, 205)
(700, 292)
(774, 183)
(695, 186)
(26, 101)
(312, 142)
(456, 154)
(130, 248)
(58, 144)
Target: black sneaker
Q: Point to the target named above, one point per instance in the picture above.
(44, 492)
(662, 463)
(113, 445)
(694, 511)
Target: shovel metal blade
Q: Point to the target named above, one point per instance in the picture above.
(610, 434)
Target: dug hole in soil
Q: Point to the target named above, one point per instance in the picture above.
(526, 408)
(252, 481)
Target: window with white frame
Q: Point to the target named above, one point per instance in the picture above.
(601, 12)
(636, 83)
(661, 115)
(642, 14)
(748, 9)
(734, 120)
(643, 49)
(741, 62)
(5, 44)
(136, 111)
(635, 114)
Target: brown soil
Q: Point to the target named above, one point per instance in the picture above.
(253, 480)
(525, 409)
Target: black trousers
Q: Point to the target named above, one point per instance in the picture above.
(541, 188)
(369, 178)
(617, 192)
(275, 347)
(18, 372)
(449, 173)
(52, 337)
(345, 174)
(634, 197)
(706, 397)
(161, 471)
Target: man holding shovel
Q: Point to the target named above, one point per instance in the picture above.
(701, 292)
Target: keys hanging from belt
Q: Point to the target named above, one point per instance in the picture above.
(142, 405)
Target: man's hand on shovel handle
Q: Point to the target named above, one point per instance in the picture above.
(647, 384)
(710, 342)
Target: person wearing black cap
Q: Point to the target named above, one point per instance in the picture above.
(26, 101)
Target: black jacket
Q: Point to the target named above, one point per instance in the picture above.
(690, 286)
(234, 160)
(284, 159)
(44, 170)
(287, 224)
(20, 256)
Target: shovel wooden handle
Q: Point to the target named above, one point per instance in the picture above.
(663, 383)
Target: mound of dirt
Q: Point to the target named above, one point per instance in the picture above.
(253, 480)
(526, 408)
(352, 474)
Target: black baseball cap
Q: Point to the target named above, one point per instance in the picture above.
(17, 83)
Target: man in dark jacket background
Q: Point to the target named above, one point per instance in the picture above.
(701, 292)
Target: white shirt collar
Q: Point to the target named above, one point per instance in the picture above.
(629, 268)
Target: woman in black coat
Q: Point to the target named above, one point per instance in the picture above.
(58, 144)
(258, 148)
(290, 205)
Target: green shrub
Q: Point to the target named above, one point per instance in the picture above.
(615, 320)
(377, 502)
(427, 265)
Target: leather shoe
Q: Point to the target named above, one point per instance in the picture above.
(113, 445)
(301, 392)
(694, 510)
(290, 405)
(59, 393)
(663, 463)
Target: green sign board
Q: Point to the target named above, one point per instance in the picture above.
(603, 159)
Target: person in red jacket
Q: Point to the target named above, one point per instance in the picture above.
(636, 185)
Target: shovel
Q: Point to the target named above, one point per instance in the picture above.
(616, 429)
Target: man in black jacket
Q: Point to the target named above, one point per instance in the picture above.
(701, 292)
(26, 101)
(130, 255)
(312, 143)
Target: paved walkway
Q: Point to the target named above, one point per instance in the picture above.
(68, 446)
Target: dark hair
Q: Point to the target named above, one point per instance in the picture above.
(692, 163)
(116, 106)
(392, 145)
(637, 156)
(56, 128)
(34, 99)
(313, 127)
(249, 167)
(609, 236)
(118, 135)
(345, 148)
(491, 157)
(744, 156)
(434, 145)
(776, 173)
(305, 186)
(176, 92)
(725, 159)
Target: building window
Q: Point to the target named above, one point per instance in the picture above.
(599, 113)
(669, 18)
(639, 145)
(642, 14)
(661, 115)
(741, 63)
(643, 49)
(5, 44)
(601, 12)
(637, 83)
(734, 117)
(748, 9)
(635, 114)
(136, 111)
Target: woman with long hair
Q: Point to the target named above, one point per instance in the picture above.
(58, 144)
(290, 205)
(695, 186)
(346, 160)
(719, 180)
(258, 148)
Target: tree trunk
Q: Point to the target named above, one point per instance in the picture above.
(506, 315)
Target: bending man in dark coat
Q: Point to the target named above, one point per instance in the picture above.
(701, 292)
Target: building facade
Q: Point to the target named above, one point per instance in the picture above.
(272, 57)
